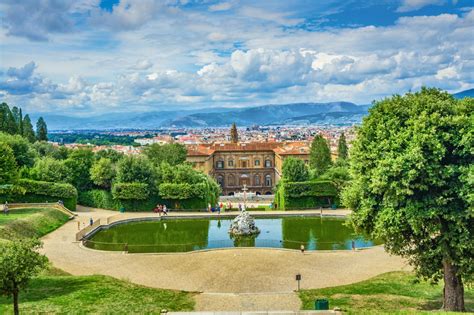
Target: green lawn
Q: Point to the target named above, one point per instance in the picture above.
(393, 292)
(57, 292)
(30, 222)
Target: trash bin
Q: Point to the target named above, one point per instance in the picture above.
(321, 304)
(122, 209)
(333, 206)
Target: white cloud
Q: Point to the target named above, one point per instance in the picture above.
(412, 5)
(223, 6)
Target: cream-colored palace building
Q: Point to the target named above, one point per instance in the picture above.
(256, 165)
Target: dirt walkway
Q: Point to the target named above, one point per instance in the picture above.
(269, 272)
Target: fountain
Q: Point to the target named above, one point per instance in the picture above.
(243, 225)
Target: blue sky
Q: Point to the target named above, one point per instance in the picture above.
(86, 57)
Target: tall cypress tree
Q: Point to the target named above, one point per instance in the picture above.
(342, 150)
(20, 123)
(41, 130)
(7, 120)
(234, 135)
(320, 155)
(28, 131)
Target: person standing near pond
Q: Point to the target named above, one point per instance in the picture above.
(5, 208)
(91, 221)
(209, 207)
(165, 210)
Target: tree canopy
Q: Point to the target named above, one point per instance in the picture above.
(412, 184)
(8, 166)
(103, 172)
(41, 130)
(19, 262)
(320, 155)
(342, 150)
(171, 153)
(295, 170)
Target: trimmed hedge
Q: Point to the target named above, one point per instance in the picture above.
(32, 191)
(98, 198)
(303, 195)
(130, 191)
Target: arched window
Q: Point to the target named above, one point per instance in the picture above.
(220, 180)
(257, 162)
(268, 163)
(257, 180)
(230, 163)
(268, 180)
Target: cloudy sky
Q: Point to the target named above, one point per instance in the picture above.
(87, 57)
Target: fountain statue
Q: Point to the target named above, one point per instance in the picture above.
(243, 225)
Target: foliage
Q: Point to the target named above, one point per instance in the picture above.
(410, 162)
(102, 173)
(127, 191)
(19, 262)
(295, 170)
(50, 170)
(136, 169)
(342, 149)
(31, 222)
(338, 175)
(48, 149)
(79, 163)
(388, 293)
(98, 198)
(97, 294)
(8, 165)
(311, 188)
(110, 154)
(7, 120)
(172, 153)
(309, 194)
(320, 155)
(24, 154)
(28, 131)
(41, 130)
(93, 138)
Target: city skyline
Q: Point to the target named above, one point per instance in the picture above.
(95, 57)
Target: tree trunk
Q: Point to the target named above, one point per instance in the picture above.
(16, 311)
(453, 288)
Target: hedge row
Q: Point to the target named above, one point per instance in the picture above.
(98, 198)
(304, 195)
(130, 191)
(32, 191)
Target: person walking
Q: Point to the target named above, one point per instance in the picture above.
(91, 221)
(209, 207)
(165, 210)
(5, 208)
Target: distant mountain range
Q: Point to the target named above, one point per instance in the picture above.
(333, 113)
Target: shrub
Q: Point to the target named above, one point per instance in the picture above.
(98, 198)
(130, 191)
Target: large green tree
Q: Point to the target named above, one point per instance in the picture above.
(28, 131)
(79, 163)
(172, 153)
(7, 120)
(24, 154)
(51, 170)
(8, 166)
(19, 262)
(320, 155)
(41, 130)
(295, 170)
(136, 169)
(103, 173)
(413, 177)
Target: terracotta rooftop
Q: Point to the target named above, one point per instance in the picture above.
(277, 147)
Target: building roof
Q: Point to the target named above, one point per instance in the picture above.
(292, 148)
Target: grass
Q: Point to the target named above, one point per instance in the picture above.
(30, 222)
(57, 292)
(393, 293)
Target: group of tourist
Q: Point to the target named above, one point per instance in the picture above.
(161, 209)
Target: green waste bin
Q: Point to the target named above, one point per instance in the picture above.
(321, 304)
(122, 209)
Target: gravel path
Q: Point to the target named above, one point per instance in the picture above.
(223, 275)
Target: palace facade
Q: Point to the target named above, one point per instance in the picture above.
(256, 165)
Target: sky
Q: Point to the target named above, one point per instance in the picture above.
(89, 57)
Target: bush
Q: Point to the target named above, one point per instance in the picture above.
(130, 191)
(38, 192)
(98, 198)
(310, 194)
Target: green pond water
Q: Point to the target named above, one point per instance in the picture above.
(182, 235)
